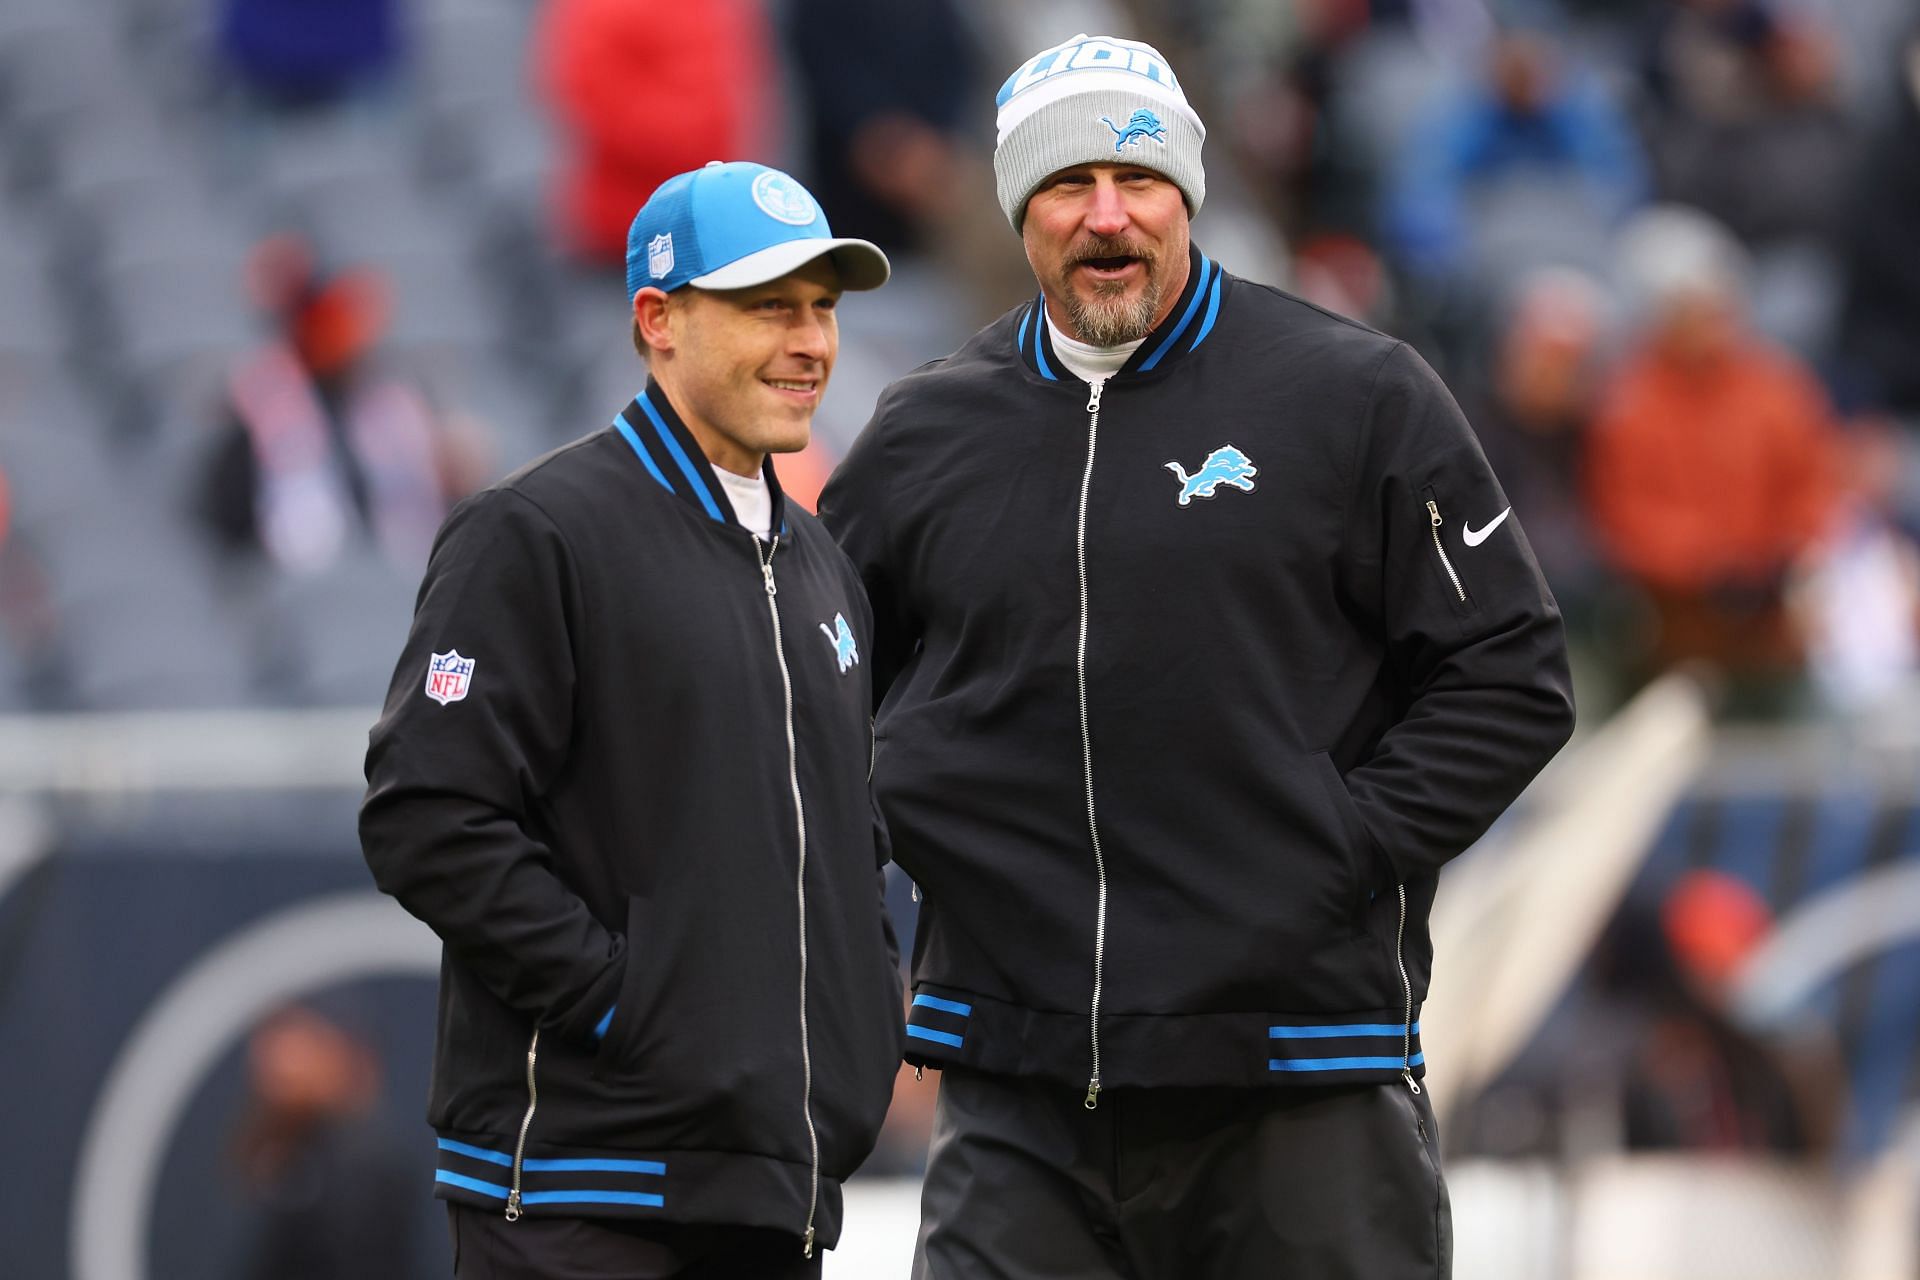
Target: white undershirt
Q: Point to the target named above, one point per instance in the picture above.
(1090, 364)
(752, 500)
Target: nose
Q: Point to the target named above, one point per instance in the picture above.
(811, 335)
(1107, 208)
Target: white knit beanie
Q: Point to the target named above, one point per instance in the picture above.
(1090, 100)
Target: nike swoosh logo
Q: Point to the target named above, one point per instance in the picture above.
(1475, 536)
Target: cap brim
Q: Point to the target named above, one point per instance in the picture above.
(860, 263)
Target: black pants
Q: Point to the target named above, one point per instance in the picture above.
(1165, 1184)
(488, 1247)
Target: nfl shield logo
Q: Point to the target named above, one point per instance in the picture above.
(449, 676)
(660, 255)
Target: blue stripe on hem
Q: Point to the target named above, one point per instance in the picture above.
(477, 1153)
(647, 1198)
(1345, 1064)
(945, 1006)
(626, 429)
(594, 1166)
(938, 1037)
(493, 1189)
(1186, 319)
(680, 457)
(606, 1020)
(1339, 1031)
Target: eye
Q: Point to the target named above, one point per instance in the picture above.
(827, 304)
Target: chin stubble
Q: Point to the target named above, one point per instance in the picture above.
(1107, 318)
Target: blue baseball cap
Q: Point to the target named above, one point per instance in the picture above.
(731, 225)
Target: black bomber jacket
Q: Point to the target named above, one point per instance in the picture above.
(1191, 685)
(622, 772)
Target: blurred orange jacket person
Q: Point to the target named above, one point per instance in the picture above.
(1714, 472)
(646, 89)
(1712, 461)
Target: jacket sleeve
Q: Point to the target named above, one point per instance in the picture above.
(1473, 639)
(854, 508)
(450, 786)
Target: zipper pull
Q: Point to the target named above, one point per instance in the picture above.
(806, 1246)
(1093, 1093)
(513, 1206)
(1433, 509)
(1093, 394)
(919, 1074)
(1406, 1073)
(766, 572)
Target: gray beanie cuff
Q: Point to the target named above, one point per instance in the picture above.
(1098, 127)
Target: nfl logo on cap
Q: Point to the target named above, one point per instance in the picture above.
(659, 255)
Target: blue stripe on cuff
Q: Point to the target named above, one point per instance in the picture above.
(945, 1006)
(938, 1037)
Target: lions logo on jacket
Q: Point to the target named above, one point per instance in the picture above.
(840, 636)
(1225, 465)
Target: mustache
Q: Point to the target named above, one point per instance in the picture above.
(1108, 247)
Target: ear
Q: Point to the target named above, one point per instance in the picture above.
(650, 307)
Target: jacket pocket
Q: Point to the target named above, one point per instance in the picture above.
(1446, 564)
(704, 1048)
(1356, 841)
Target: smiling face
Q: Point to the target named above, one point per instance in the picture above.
(745, 368)
(1108, 244)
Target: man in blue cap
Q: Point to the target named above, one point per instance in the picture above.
(622, 772)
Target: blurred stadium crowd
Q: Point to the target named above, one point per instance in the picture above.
(282, 279)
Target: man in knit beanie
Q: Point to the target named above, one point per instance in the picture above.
(1203, 638)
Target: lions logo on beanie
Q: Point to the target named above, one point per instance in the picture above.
(1089, 100)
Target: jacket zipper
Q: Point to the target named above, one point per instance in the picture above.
(1433, 510)
(800, 888)
(526, 1123)
(1086, 745)
(1406, 985)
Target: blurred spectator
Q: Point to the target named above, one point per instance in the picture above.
(317, 442)
(887, 86)
(334, 1194)
(1881, 318)
(1711, 469)
(1532, 124)
(1693, 1079)
(297, 53)
(1745, 117)
(645, 89)
(1860, 599)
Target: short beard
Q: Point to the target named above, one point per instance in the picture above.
(1107, 319)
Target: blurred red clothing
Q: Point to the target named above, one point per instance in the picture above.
(1714, 473)
(647, 89)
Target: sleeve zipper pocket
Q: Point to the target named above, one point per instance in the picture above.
(1453, 576)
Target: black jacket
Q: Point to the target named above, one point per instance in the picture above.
(604, 813)
(1304, 690)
